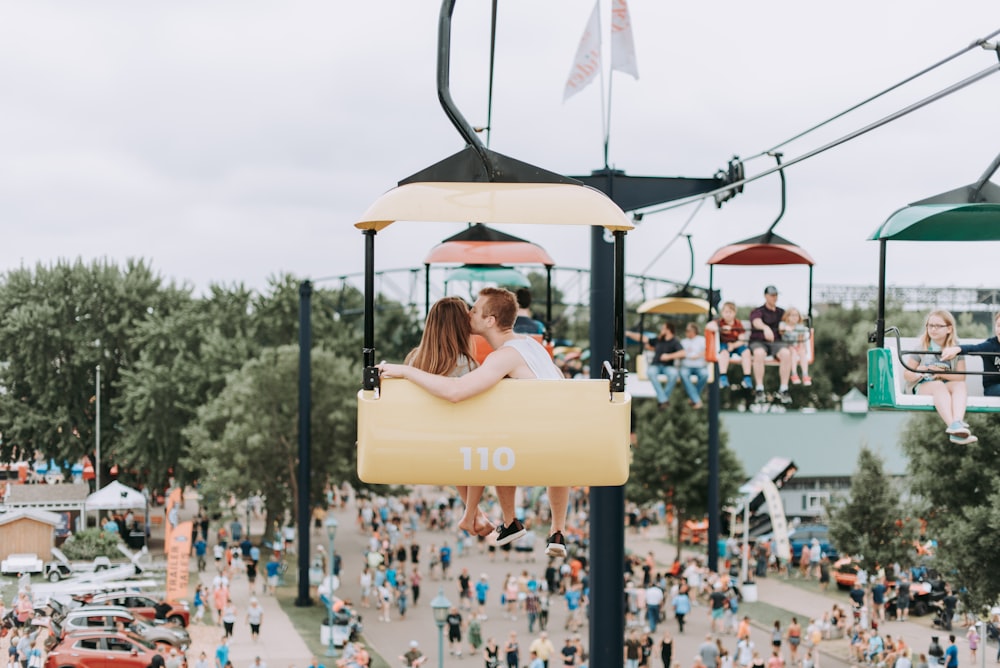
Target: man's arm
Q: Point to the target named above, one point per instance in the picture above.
(758, 323)
(988, 346)
(494, 368)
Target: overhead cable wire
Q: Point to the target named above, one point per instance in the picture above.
(978, 43)
(677, 236)
(954, 88)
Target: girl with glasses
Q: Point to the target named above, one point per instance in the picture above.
(931, 378)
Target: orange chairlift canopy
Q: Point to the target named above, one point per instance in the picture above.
(483, 245)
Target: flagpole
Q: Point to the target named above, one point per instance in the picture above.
(604, 118)
(607, 117)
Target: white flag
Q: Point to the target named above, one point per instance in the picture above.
(587, 63)
(622, 44)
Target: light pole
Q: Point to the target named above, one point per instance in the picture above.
(441, 605)
(331, 533)
(984, 636)
(97, 432)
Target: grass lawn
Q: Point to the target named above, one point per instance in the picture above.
(307, 620)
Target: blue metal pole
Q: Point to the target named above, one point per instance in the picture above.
(305, 438)
(440, 645)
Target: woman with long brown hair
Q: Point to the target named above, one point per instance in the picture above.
(446, 349)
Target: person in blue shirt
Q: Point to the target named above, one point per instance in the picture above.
(482, 587)
(878, 599)
(951, 654)
(445, 560)
(222, 653)
(682, 606)
(200, 548)
(574, 596)
(273, 568)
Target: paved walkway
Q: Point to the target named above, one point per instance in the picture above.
(281, 647)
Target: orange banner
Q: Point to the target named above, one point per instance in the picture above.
(171, 510)
(178, 561)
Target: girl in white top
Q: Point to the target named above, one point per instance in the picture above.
(948, 390)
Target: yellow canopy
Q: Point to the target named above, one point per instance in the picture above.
(675, 306)
(526, 203)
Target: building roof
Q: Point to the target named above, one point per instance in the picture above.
(824, 444)
(30, 513)
(69, 493)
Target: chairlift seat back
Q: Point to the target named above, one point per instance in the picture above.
(520, 432)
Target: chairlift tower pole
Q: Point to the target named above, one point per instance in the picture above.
(305, 441)
(607, 504)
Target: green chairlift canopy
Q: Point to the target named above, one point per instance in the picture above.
(969, 213)
(498, 274)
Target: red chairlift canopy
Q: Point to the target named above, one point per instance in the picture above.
(766, 249)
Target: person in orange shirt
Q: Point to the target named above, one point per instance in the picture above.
(575, 566)
(743, 632)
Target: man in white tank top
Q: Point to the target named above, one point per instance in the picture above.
(513, 356)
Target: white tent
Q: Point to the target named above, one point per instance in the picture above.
(116, 496)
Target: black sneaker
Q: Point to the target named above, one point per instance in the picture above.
(760, 397)
(510, 532)
(785, 398)
(556, 546)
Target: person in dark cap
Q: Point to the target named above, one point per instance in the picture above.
(765, 340)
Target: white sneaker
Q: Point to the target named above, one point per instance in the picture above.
(958, 428)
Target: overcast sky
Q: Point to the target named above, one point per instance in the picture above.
(231, 141)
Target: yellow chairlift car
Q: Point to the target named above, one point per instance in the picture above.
(520, 432)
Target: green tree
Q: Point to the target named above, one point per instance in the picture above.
(873, 524)
(246, 438)
(59, 323)
(960, 489)
(670, 461)
(183, 361)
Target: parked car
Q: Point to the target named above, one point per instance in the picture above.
(141, 604)
(21, 563)
(845, 574)
(108, 618)
(804, 535)
(99, 649)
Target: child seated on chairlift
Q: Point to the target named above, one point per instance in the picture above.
(732, 345)
(796, 334)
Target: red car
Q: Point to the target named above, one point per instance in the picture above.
(845, 573)
(141, 605)
(100, 649)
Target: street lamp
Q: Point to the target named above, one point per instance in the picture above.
(331, 533)
(441, 605)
